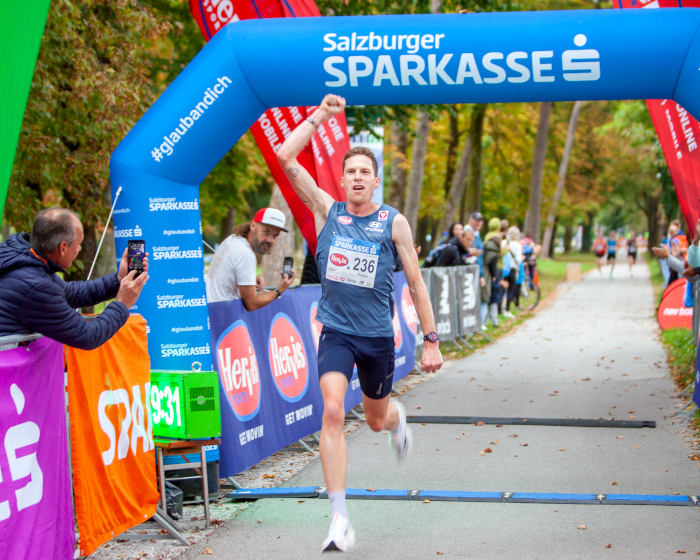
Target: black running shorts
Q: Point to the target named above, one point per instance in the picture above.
(374, 357)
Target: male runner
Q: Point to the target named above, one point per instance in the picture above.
(612, 249)
(358, 243)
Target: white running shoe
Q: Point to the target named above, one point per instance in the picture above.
(401, 439)
(341, 535)
(508, 315)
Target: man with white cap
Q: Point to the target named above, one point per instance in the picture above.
(231, 273)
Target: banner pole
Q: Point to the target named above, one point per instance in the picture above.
(119, 190)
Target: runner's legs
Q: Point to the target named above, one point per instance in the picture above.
(380, 414)
(334, 451)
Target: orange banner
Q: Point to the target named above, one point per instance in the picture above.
(114, 469)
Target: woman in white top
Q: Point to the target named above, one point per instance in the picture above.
(515, 254)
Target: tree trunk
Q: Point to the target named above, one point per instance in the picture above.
(399, 167)
(554, 242)
(421, 232)
(651, 210)
(283, 247)
(472, 195)
(415, 178)
(454, 195)
(452, 146)
(587, 237)
(568, 237)
(227, 224)
(532, 221)
(563, 166)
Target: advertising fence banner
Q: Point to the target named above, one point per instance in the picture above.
(111, 435)
(672, 313)
(442, 292)
(36, 512)
(468, 299)
(323, 157)
(678, 131)
(268, 370)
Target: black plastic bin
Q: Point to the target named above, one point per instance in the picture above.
(192, 487)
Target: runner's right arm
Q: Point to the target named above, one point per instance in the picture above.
(316, 199)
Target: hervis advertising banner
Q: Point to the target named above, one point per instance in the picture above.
(268, 371)
(36, 509)
(111, 435)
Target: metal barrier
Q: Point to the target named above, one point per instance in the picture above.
(12, 341)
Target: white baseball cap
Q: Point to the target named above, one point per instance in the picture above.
(271, 217)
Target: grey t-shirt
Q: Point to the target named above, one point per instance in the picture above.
(233, 265)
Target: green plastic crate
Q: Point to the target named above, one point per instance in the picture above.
(185, 404)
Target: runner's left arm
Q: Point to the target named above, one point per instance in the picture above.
(431, 359)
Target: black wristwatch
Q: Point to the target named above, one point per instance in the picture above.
(431, 337)
(279, 294)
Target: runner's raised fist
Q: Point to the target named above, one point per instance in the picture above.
(334, 104)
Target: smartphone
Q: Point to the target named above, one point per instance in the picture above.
(136, 252)
(287, 267)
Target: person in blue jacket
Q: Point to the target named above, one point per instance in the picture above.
(33, 299)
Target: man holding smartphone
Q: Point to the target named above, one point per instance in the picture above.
(358, 245)
(231, 273)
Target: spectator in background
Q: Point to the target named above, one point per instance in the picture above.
(34, 299)
(694, 249)
(492, 293)
(455, 230)
(232, 271)
(476, 220)
(458, 249)
(511, 263)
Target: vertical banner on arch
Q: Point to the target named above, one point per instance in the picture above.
(678, 131)
(36, 511)
(114, 470)
(323, 157)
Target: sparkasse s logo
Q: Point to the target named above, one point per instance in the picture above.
(345, 220)
(288, 360)
(238, 367)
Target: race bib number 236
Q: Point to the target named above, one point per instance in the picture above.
(352, 261)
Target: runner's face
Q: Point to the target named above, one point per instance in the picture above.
(358, 179)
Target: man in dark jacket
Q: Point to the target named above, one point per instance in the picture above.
(34, 299)
(458, 249)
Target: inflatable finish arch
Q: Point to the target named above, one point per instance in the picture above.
(251, 66)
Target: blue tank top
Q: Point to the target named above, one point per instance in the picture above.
(356, 258)
(612, 243)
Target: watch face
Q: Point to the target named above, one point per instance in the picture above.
(432, 337)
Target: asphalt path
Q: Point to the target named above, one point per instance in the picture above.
(595, 352)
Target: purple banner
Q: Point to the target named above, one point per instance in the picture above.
(36, 512)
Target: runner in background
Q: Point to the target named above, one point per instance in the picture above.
(631, 251)
(358, 245)
(599, 248)
(612, 249)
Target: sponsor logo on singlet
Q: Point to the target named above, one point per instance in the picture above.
(345, 220)
(383, 215)
(339, 260)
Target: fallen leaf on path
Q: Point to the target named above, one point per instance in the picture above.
(639, 447)
(495, 442)
(620, 437)
(524, 445)
(458, 438)
(582, 527)
(426, 501)
(300, 501)
(259, 520)
(608, 546)
(613, 484)
(465, 434)
(513, 435)
(499, 425)
(371, 489)
(586, 379)
(208, 551)
(418, 407)
(563, 449)
(438, 552)
(268, 476)
(680, 551)
(479, 424)
(632, 411)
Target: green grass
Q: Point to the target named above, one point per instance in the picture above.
(552, 272)
(682, 351)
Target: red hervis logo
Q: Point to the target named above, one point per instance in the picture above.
(288, 361)
(316, 326)
(238, 369)
(409, 310)
(398, 338)
(345, 220)
(338, 259)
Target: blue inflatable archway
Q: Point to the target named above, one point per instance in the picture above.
(251, 66)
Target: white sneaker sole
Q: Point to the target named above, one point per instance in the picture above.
(409, 434)
(340, 545)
